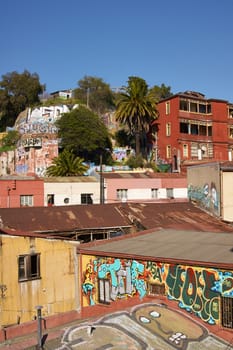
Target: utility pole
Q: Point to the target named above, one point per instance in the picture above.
(101, 180)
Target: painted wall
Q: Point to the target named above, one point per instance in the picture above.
(71, 191)
(57, 263)
(204, 186)
(12, 188)
(195, 289)
(140, 189)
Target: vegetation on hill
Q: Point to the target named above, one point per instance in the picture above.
(83, 132)
(66, 164)
(17, 92)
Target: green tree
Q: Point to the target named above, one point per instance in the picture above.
(161, 92)
(83, 132)
(11, 138)
(136, 108)
(66, 164)
(95, 94)
(17, 91)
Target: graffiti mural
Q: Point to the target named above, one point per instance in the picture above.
(127, 278)
(197, 290)
(207, 195)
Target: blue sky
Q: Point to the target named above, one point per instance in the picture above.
(185, 44)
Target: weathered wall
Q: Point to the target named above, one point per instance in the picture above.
(55, 290)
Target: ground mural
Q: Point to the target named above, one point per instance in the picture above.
(148, 326)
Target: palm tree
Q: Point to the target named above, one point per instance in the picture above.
(136, 108)
(66, 164)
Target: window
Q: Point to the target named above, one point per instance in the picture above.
(157, 289)
(154, 193)
(230, 111)
(168, 129)
(50, 199)
(227, 312)
(104, 291)
(28, 267)
(167, 108)
(170, 193)
(193, 107)
(168, 151)
(185, 150)
(86, 198)
(122, 194)
(230, 133)
(26, 200)
(183, 105)
(184, 128)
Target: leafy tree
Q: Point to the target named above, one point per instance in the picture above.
(124, 138)
(83, 132)
(9, 141)
(17, 91)
(66, 164)
(95, 94)
(161, 92)
(136, 108)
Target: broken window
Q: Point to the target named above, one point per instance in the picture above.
(28, 267)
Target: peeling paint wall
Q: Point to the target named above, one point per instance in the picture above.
(57, 263)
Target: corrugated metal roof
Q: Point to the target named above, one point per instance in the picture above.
(66, 179)
(180, 216)
(169, 245)
(145, 175)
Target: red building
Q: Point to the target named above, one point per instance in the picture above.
(16, 191)
(193, 128)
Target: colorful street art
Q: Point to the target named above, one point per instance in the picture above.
(197, 290)
(146, 326)
(207, 196)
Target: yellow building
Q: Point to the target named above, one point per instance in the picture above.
(36, 270)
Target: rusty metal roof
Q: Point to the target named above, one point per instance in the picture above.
(143, 175)
(142, 216)
(175, 246)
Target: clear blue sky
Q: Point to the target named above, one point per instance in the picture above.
(185, 44)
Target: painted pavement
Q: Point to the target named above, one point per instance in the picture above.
(149, 326)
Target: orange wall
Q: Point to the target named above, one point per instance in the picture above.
(10, 191)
